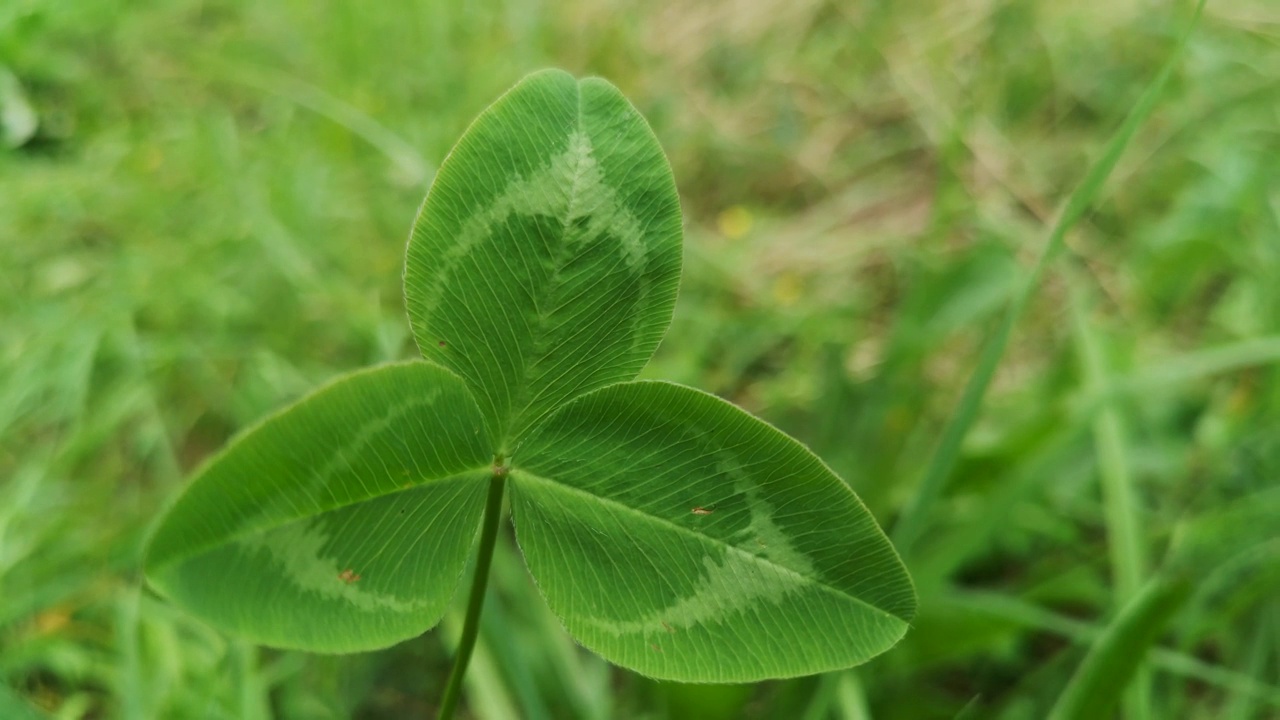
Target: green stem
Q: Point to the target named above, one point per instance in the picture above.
(471, 627)
(1120, 506)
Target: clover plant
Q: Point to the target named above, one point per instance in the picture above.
(669, 531)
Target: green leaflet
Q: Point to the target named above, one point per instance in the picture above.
(341, 523)
(545, 260)
(678, 536)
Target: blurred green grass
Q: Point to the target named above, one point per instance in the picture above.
(210, 215)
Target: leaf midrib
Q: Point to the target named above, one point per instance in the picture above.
(254, 530)
(518, 473)
(517, 424)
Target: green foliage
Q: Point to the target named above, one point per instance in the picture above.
(209, 221)
(671, 532)
(12, 706)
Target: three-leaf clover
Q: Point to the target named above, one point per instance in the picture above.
(671, 532)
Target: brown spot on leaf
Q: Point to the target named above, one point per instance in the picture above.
(669, 628)
(348, 576)
(703, 511)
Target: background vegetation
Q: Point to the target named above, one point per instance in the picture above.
(203, 211)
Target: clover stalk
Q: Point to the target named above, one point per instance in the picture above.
(475, 603)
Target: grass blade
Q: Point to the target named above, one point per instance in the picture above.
(1199, 364)
(1105, 672)
(1025, 614)
(1120, 509)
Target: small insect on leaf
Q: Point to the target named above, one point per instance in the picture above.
(348, 576)
(704, 510)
